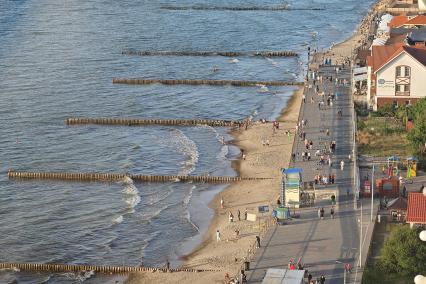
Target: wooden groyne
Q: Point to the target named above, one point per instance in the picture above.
(143, 122)
(95, 268)
(204, 82)
(67, 176)
(240, 8)
(282, 53)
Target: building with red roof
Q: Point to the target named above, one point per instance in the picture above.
(396, 74)
(416, 209)
(408, 22)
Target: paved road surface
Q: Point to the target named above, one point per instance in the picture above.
(323, 245)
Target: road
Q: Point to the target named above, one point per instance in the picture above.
(324, 246)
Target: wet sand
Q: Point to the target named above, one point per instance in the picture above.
(228, 255)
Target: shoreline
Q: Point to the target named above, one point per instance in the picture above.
(262, 161)
(228, 257)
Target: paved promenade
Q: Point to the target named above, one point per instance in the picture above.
(323, 245)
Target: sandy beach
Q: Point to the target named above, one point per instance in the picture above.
(227, 255)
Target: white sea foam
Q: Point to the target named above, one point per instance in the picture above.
(234, 60)
(118, 220)
(188, 148)
(273, 62)
(131, 193)
(79, 276)
(186, 202)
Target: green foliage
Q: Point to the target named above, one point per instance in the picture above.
(403, 252)
(387, 110)
(417, 135)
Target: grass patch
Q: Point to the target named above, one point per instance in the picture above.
(383, 137)
(374, 276)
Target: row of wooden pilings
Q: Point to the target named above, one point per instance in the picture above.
(282, 53)
(242, 8)
(204, 82)
(117, 177)
(140, 122)
(95, 268)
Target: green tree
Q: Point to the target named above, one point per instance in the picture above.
(403, 252)
(417, 136)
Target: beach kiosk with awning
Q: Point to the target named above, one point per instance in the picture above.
(291, 184)
(283, 276)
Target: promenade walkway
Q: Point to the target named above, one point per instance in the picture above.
(324, 246)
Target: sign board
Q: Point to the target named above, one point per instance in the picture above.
(360, 70)
(360, 77)
(385, 84)
(263, 208)
(251, 217)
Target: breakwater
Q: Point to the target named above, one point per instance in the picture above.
(235, 83)
(282, 53)
(117, 177)
(94, 268)
(142, 122)
(241, 8)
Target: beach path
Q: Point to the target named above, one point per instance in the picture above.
(323, 246)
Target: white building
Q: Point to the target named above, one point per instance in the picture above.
(396, 75)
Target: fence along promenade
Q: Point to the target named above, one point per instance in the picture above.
(117, 177)
(235, 83)
(95, 268)
(142, 122)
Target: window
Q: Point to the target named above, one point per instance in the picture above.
(406, 71)
(402, 80)
(398, 71)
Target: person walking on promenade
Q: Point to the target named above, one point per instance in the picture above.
(322, 213)
(304, 98)
(257, 242)
(309, 278)
(217, 236)
(319, 213)
(239, 215)
(332, 212)
(322, 279)
(342, 165)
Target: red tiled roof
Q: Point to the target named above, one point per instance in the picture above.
(418, 20)
(398, 21)
(380, 54)
(383, 57)
(416, 212)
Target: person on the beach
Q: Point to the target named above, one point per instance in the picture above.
(257, 241)
(239, 215)
(342, 164)
(231, 217)
(332, 212)
(322, 213)
(245, 214)
(237, 233)
(222, 203)
(217, 236)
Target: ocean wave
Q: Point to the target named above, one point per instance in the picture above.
(186, 201)
(131, 194)
(158, 198)
(188, 148)
(79, 276)
(118, 220)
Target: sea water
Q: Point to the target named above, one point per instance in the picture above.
(58, 59)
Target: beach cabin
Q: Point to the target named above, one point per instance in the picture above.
(291, 185)
(283, 276)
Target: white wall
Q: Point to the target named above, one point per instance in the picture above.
(422, 5)
(385, 82)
